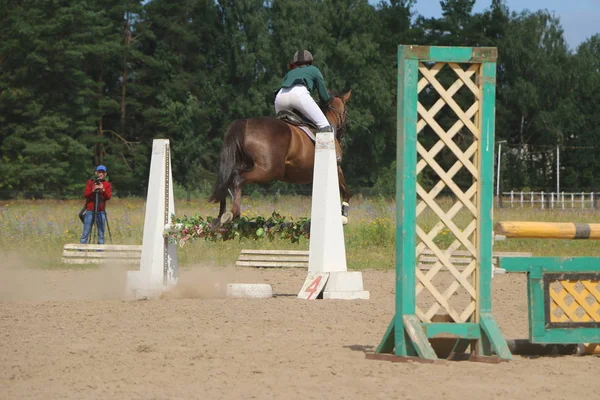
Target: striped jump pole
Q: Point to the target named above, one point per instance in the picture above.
(547, 230)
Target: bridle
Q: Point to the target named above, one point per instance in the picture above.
(342, 118)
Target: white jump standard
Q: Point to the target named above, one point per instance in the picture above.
(158, 270)
(327, 252)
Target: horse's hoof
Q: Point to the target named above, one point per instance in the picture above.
(345, 209)
(226, 217)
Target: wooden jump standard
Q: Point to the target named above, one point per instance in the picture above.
(547, 230)
(426, 307)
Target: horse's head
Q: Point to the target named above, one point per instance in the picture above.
(336, 112)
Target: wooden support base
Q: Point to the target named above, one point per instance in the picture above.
(101, 253)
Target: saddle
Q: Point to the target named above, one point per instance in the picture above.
(296, 118)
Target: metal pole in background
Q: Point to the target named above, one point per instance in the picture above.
(557, 171)
(498, 172)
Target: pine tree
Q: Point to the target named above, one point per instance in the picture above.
(53, 74)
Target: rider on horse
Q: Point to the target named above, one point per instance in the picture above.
(295, 90)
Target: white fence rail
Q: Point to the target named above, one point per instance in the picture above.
(562, 200)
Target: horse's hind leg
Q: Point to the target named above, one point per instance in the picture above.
(224, 215)
(237, 200)
(222, 207)
(345, 193)
(236, 208)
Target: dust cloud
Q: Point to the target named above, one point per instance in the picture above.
(22, 278)
(201, 282)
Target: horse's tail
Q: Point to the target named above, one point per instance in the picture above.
(233, 160)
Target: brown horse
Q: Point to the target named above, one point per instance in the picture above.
(265, 149)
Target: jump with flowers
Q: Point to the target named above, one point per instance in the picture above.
(189, 229)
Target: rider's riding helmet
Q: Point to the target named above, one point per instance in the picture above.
(303, 57)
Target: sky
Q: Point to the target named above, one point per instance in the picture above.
(580, 19)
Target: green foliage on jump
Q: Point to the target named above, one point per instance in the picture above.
(187, 229)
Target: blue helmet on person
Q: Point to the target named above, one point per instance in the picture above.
(101, 168)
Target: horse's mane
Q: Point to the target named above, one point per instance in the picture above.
(325, 106)
(332, 94)
(336, 93)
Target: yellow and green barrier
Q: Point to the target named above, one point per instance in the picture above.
(563, 292)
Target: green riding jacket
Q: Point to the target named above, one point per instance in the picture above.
(309, 76)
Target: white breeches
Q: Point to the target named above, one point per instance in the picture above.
(298, 97)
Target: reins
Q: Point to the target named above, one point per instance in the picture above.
(345, 119)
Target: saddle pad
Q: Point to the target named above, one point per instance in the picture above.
(312, 137)
(308, 132)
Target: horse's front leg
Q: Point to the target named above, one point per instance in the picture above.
(345, 193)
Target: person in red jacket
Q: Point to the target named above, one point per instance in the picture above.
(96, 212)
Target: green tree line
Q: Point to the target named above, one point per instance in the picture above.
(85, 82)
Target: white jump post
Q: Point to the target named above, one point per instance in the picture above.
(327, 253)
(158, 268)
